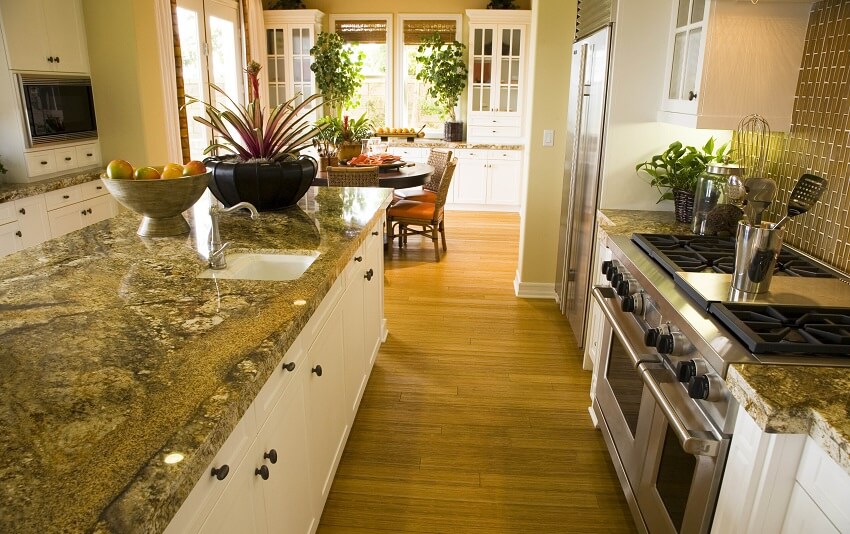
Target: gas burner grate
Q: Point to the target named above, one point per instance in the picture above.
(787, 329)
(677, 253)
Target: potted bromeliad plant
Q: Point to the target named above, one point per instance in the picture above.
(341, 139)
(675, 173)
(257, 155)
(441, 67)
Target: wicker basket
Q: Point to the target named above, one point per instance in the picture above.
(683, 202)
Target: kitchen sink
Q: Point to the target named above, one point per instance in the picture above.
(262, 266)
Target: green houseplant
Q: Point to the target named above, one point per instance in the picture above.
(337, 70)
(675, 172)
(261, 163)
(442, 68)
(2, 168)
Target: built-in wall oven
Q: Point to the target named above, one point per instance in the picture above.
(668, 452)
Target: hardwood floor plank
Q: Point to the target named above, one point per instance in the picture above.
(475, 417)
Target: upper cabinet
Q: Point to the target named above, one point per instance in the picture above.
(498, 58)
(290, 34)
(45, 35)
(729, 58)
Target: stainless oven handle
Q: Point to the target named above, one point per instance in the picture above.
(696, 442)
(602, 300)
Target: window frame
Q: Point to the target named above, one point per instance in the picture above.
(389, 107)
(399, 101)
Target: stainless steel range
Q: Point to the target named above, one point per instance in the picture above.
(672, 328)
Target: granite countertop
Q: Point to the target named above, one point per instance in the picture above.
(792, 399)
(437, 143)
(628, 222)
(9, 192)
(780, 398)
(114, 353)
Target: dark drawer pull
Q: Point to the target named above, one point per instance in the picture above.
(22, 211)
(18, 233)
(83, 212)
(262, 471)
(369, 274)
(220, 473)
(88, 156)
(358, 258)
(66, 197)
(50, 59)
(317, 370)
(44, 163)
(68, 158)
(99, 187)
(271, 456)
(289, 366)
(56, 59)
(374, 233)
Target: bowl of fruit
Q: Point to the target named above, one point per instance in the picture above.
(159, 194)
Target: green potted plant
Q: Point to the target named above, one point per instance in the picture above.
(675, 173)
(337, 71)
(442, 68)
(502, 4)
(261, 161)
(325, 143)
(350, 135)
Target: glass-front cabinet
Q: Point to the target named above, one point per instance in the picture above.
(688, 37)
(289, 36)
(497, 67)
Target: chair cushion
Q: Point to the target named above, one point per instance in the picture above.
(412, 209)
(415, 193)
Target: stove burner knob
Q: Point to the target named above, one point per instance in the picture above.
(698, 387)
(665, 344)
(686, 370)
(611, 272)
(628, 286)
(650, 338)
(605, 266)
(633, 303)
(617, 278)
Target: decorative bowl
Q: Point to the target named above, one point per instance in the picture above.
(160, 202)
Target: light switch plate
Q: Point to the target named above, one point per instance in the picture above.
(548, 137)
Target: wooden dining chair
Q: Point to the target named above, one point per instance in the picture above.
(353, 177)
(428, 192)
(417, 217)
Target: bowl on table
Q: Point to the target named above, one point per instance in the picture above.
(161, 203)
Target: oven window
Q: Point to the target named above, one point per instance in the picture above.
(675, 474)
(625, 382)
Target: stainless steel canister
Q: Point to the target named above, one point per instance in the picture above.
(756, 250)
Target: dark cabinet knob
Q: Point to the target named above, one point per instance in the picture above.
(50, 59)
(358, 258)
(83, 212)
(289, 366)
(56, 59)
(22, 211)
(374, 233)
(89, 211)
(88, 155)
(67, 158)
(263, 471)
(66, 197)
(18, 233)
(271, 456)
(317, 370)
(369, 274)
(100, 186)
(45, 163)
(220, 473)
(691, 96)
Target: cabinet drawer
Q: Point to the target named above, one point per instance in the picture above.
(277, 383)
(63, 197)
(504, 155)
(41, 162)
(7, 212)
(470, 153)
(409, 154)
(510, 121)
(93, 189)
(494, 131)
(66, 158)
(88, 155)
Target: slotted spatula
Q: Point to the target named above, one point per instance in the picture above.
(806, 192)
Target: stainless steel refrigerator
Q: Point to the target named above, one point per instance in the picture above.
(583, 172)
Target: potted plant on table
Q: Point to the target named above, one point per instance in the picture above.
(350, 135)
(441, 67)
(675, 173)
(261, 163)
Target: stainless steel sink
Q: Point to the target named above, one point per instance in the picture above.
(262, 266)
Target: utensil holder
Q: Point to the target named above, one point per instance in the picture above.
(756, 250)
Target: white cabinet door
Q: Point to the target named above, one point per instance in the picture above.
(353, 335)
(97, 209)
(66, 35)
(287, 492)
(66, 219)
(503, 186)
(326, 402)
(241, 507)
(24, 27)
(33, 221)
(373, 295)
(804, 515)
(10, 238)
(88, 154)
(470, 181)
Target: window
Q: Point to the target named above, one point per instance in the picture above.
(416, 107)
(370, 34)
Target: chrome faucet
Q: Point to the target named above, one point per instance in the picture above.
(216, 257)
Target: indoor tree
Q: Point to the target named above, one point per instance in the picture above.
(337, 69)
(442, 68)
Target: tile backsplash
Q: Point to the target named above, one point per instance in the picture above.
(819, 139)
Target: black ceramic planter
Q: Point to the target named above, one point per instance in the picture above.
(268, 186)
(453, 131)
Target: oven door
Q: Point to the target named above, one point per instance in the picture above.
(684, 462)
(623, 404)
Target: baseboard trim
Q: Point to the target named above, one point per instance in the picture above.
(534, 290)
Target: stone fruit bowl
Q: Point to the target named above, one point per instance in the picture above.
(160, 202)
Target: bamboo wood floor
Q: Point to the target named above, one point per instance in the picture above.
(475, 417)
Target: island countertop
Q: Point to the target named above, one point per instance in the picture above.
(114, 353)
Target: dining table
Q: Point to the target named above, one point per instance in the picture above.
(409, 175)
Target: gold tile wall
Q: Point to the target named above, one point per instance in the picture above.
(819, 140)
